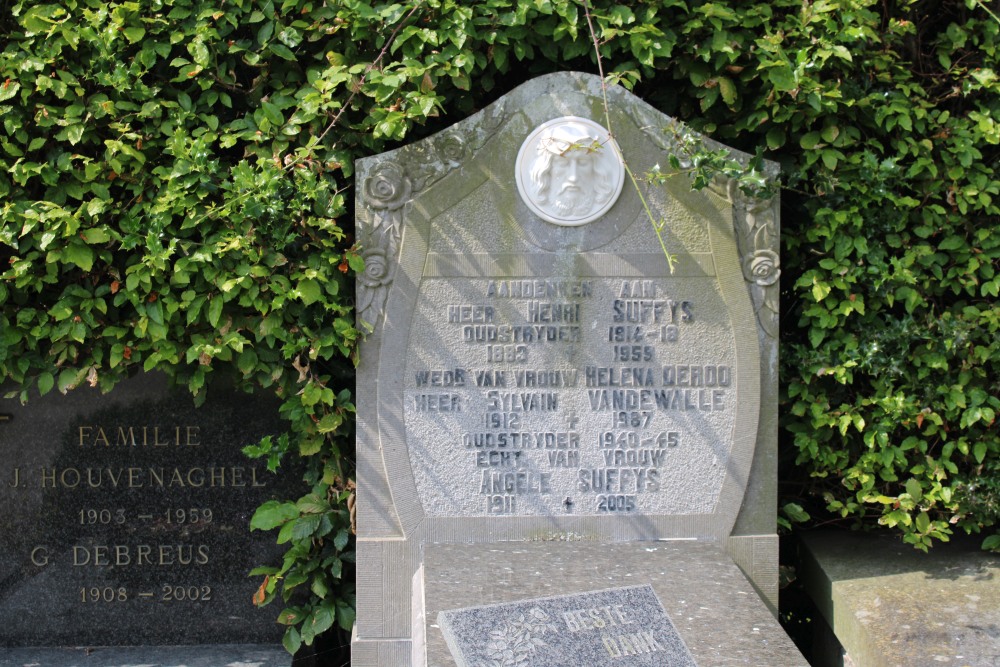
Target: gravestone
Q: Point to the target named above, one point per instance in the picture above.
(126, 523)
(541, 385)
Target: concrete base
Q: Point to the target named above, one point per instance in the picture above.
(219, 655)
(715, 609)
(893, 606)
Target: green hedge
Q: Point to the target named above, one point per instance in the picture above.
(175, 188)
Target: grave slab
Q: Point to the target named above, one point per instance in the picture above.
(126, 522)
(893, 606)
(711, 604)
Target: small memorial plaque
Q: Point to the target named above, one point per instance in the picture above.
(618, 627)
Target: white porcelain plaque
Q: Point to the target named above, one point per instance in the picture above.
(569, 171)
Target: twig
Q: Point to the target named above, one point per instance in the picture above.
(369, 68)
(291, 164)
(982, 5)
(658, 228)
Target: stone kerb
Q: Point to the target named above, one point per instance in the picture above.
(533, 369)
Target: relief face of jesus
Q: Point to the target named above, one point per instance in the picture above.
(573, 174)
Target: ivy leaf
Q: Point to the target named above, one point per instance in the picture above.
(134, 33)
(728, 90)
(323, 618)
(782, 77)
(775, 138)
(330, 422)
(45, 383)
(272, 514)
(68, 379)
(809, 140)
(309, 291)
(306, 526)
(9, 89)
(310, 446)
(281, 51)
(313, 504)
(340, 541)
(820, 291)
(345, 616)
(291, 616)
(247, 361)
(80, 254)
(75, 133)
(215, 310)
(292, 641)
(953, 242)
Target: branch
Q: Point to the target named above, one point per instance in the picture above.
(369, 68)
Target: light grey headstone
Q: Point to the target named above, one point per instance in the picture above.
(618, 627)
(534, 367)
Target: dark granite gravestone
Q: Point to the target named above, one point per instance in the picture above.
(539, 376)
(618, 627)
(126, 520)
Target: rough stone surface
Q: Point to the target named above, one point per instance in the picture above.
(533, 373)
(712, 606)
(893, 606)
(164, 656)
(126, 518)
(618, 627)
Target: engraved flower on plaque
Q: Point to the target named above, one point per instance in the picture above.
(569, 171)
(514, 643)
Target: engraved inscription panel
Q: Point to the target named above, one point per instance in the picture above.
(576, 396)
(128, 523)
